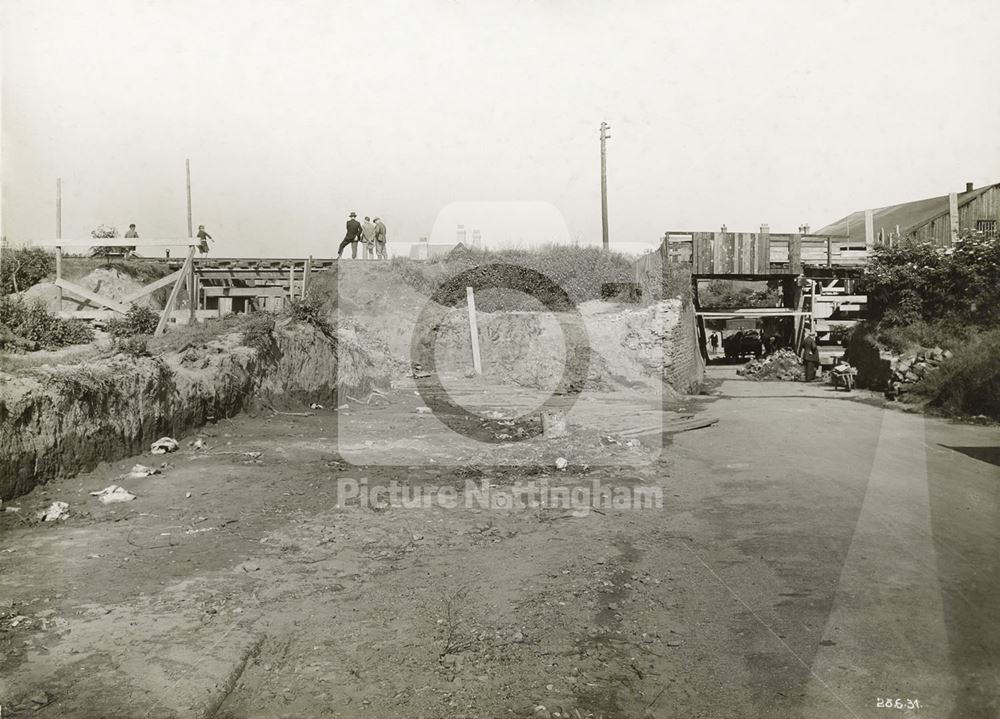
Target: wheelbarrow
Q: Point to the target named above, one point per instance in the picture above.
(843, 377)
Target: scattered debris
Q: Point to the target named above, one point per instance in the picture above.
(198, 444)
(423, 410)
(56, 510)
(344, 406)
(187, 495)
(781, 365)
(113, 494)
(314, 405)
(164, 445)
(139, 471)
(562, 463)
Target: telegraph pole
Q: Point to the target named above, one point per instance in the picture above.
(604, 182)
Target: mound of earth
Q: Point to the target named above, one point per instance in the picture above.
(108, 282)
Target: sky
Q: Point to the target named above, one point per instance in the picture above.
(431, 113)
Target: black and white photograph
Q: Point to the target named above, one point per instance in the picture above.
(499, 359)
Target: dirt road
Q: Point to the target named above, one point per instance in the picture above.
(814, 556)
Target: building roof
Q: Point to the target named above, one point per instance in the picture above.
(908, 216)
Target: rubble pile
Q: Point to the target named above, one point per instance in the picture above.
(781, 365)
(910, 368)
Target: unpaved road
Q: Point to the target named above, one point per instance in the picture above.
(814, 556)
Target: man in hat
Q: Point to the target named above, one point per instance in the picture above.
(352, 237)
(810, 355)
(380, 239)
(368, 237)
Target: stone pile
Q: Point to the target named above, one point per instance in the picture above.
(910, 368)
(781, 365)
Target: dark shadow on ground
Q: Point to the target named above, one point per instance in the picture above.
(990, 455)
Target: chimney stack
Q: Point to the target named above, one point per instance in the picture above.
(765, 228)
(968, 187)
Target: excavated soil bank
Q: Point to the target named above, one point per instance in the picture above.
(67, 419)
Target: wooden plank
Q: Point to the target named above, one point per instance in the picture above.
(795, 253)
(91, 296)
(117, 242)
(183, 274)
(245, 291)
(151, 287)
(108, 314)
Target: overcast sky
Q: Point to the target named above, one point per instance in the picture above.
(296, 112)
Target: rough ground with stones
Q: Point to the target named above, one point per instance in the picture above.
(815, 583)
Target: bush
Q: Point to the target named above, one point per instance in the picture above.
(24, 267)
(969, 382)
(312, 310)
(135, 346)
(918, 281)
(258, 333)
(137, 321)
(946, 334)
(32, 322)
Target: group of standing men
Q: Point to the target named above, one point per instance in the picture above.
(371, 233)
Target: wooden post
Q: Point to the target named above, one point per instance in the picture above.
(291, 281)
(59, 237)
(953, 215)
(59, 275)
(829, 252)
(305, 275)
(477, 362)
(187, 166)
(192, 294)
(795, 253)
(869, 231)
(169, 308)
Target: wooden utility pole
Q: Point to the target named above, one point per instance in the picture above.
(604, 183)
(187, 164)
(59, 237)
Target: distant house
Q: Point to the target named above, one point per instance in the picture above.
(927, 220)
(426, 251)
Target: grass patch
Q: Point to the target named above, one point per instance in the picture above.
(581, 272)
(31, 326)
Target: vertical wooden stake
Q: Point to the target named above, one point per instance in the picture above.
(953, 215)
(192, 294)
(305, 275)
(59, 274)
(477, 362)
(291, 282)
(869, 232)
(59, 237)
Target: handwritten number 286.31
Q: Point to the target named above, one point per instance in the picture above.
(888, 703)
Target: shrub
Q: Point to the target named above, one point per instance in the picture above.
(32, 322)
(134, 346)
(969, 382)
(312, 310)
(104, 232)
(918, 281)
(137, 321)
(258, 333)
(23, 268)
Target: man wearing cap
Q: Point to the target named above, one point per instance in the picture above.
(810, 356)
(380, 239)
(368, 237)
(352, 237)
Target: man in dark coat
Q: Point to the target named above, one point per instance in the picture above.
(352, 237)
(810, 356)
